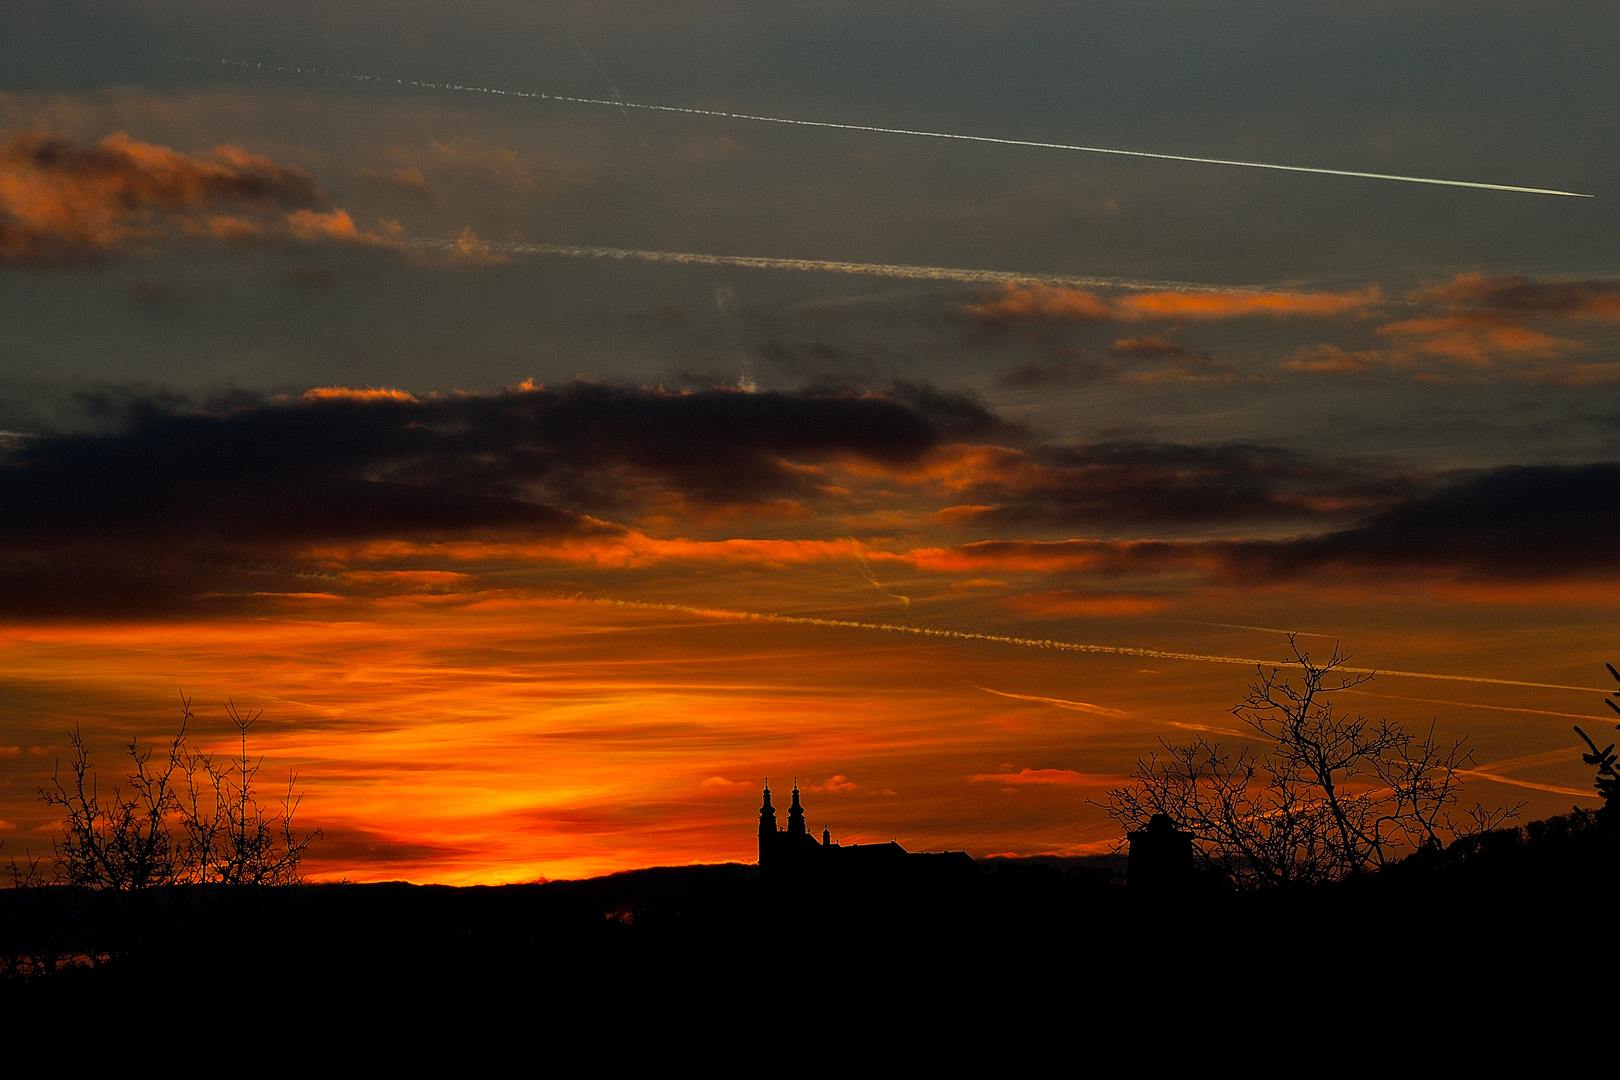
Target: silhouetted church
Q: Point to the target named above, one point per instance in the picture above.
(794, 857)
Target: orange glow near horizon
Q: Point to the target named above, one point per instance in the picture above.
(515, 739)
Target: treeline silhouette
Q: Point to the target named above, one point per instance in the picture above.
(681, 946)
(1512, 920)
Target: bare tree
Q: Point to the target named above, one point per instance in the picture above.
(230, 840)
(182, 818)
(1323, 795)
(126, 841)
(179, 817)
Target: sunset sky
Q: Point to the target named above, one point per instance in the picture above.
(551, 473)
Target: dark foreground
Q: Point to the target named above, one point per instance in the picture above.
(1515, 923)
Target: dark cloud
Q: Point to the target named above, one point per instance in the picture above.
(1524, 522)
(171, 505)
(1517, 524)
(1163, 485)
(1520, 295)
(173, 498)
(341, 463)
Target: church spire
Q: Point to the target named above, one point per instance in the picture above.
(796, 813)
(767, 826)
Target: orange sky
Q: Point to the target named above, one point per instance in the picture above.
(507, 739)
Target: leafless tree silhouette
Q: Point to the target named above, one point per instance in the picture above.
(181, 817)
(124, 842)
(1326, 795)
(229, 838)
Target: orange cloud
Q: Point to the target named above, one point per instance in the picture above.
(1035, 301)
(58, 197)
(408, 578)
(348, 393)
(614, 548)
(839, 783)
(1063, 556)
(1476, 339)
(468, 248)
(1049, 302)
(337, 227)
(1063, 777)
(308, 225)
(1484, 322)
(1189, 304)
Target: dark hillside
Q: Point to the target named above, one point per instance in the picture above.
(1043, 937)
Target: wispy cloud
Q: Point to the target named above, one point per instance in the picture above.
(1047, 778)
(1021, 302)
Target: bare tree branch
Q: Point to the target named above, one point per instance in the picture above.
(1332, 795)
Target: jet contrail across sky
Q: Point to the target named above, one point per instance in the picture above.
(871, 128)
(1045, 643)
(832, 266)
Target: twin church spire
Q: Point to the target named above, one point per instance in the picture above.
(767, 814)
(793, 858)
(773, 842)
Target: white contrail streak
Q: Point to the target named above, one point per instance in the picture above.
(872, 128)
(1046, 643)
(1263, 629)
(1473, 705)
(1530, 784)
(1062, 703)
(832, 266)
(871, 578)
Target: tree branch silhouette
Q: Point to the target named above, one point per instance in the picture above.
(1327, 795)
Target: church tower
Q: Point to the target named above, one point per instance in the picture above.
(767, 823)
(795, 814)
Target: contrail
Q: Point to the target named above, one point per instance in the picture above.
(832, 266)
(1530, 784)
(1047, 643)
(1263, 629)
(875, 129)
(872, 578)
(1062, 703)
(1473, 705)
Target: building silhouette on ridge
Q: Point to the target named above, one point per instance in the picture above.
(793, 857)
(1161, 857)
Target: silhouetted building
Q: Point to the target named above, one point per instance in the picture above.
(1161, 858)
(793, 857)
